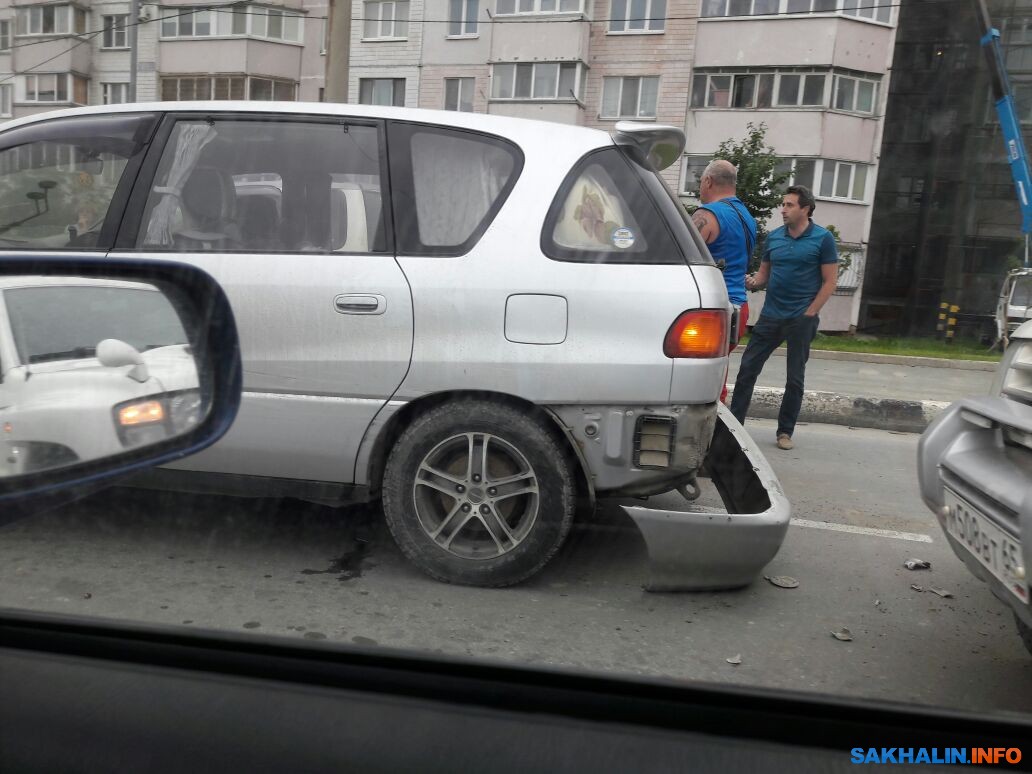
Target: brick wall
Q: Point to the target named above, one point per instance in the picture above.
(431, 84)
(668, 55)
(386, 59)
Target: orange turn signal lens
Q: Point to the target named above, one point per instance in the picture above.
(141, 414)
(701, 333)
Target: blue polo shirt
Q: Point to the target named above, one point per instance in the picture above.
(795, 269)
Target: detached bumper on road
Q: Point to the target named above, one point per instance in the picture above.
(719, 550)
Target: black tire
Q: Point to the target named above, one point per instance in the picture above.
(1025, 632)
(527, 518)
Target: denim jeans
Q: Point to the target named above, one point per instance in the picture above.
(767, 335)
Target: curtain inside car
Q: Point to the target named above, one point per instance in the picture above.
(189, 144)
(467, 174)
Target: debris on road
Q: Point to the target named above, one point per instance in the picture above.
(917, 564)
(735, 660)
(941, 592)
(782, 581)
(87, 595)
(843, 635)
(915, 587)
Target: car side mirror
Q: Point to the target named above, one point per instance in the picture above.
(115, 353)
(70, 423)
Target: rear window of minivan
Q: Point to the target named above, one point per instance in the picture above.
(608, 210)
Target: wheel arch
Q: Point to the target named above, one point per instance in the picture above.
(381, 442)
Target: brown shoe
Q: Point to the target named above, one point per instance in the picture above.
(785, 442)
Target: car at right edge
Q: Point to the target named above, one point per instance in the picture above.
(975, 471)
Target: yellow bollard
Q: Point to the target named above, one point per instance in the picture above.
(951, 324)
(940, 327)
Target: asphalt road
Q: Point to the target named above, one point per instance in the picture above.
(281, 567)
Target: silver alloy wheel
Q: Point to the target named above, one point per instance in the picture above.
(476, 496)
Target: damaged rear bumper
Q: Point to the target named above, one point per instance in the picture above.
(696, 551)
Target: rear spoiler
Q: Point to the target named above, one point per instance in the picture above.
(661, 145)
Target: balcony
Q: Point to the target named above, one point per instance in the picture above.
(821, 40)
(230, 56)
(799, 132)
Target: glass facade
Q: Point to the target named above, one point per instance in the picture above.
(946, 225)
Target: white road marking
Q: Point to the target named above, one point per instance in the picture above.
(887, 533)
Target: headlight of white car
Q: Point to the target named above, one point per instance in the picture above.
(154, 419)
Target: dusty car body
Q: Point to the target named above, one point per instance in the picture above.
(975, 469)
(486, 321)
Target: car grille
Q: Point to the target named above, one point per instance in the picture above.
(654, 441)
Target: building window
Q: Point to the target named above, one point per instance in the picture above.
(458, 94)
(856, 95)
(6, 97)
(115, 93)
(56, 87)
(637, 16)
(51, 20)
(114, 31)
(462, 18)
(878, 10)
(271, 89)
(629, 97)
(873, 10)
(223, 87)
(511, 7)
(800, 171)
(386, 20)
(240, 21)
(539, 80)
(800, 90)
(842, 180)
(5, 36)
(761, 89)
(382, 91)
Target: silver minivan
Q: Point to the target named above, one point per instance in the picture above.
(486, 321)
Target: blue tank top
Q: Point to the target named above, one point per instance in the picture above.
(731, 245)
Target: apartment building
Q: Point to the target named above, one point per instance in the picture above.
(64, 54)
(586, 62)
(816, 73)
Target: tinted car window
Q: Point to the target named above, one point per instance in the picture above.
(602, 214)
(448, 185)
(66, 322)
(267, 186)
(58, 180)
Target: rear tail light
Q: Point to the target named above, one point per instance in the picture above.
(698, 333)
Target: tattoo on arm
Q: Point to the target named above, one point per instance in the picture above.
(700, 220)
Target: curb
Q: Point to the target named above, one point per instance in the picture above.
(897, 360)
(907, 416)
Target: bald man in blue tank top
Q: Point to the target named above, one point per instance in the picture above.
(729, 231)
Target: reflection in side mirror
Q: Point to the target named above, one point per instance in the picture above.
(115, 353)
(64, 398)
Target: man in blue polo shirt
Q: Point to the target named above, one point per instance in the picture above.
(800, 270)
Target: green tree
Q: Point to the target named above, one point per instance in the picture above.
(760, 184)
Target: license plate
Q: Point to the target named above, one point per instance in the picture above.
(997, 551)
